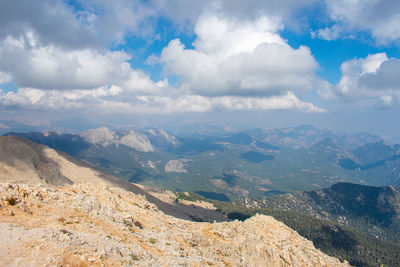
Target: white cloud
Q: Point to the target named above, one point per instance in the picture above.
(52, 68)
(103, 100)
(239, 58)
(287, 101)
(56, 54)
(114, 20)
(195, 103)
(54, 22)
(181, 12)
(30, 98)
(92, 25)
(380, 17)
(250, 9)
(375, 77)
(226, 37)
(329, 34)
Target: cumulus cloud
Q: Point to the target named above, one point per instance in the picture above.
(79, 24)
(329, 34)
(239, 62)
(103, 101)
(114, 20)
(30, 98)
(380, 17)
(54, 22)
(181, 12)
(52, 45)
(186, 13)
(374, 77)
(239, 58)
(283, 9)
(51, 67)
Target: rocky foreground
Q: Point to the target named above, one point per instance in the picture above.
(58, 211)
(85, 224)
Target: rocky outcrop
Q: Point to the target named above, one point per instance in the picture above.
(106, 137)
(86, 224)
(161, 138)
(136, 141)
(101, 136)
(175, 166)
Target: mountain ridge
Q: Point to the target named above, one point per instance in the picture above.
(373, 210)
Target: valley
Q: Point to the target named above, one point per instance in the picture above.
(253, 163)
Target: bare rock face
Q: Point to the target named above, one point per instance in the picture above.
(137, 141)
(175, 166)
(101, 136)
(162, 138)
(97, 224)
(106, 137)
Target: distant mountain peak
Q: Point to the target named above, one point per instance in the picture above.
(102, 136)
(106, 137)
(161, 138)
(136, 140)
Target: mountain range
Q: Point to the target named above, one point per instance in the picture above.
(253, 163)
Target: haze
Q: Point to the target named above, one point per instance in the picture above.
(237, 64)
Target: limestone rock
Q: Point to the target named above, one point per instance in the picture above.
(175, 166)
(106, 137)
(97, 224)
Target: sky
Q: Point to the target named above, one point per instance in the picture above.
(244, 64)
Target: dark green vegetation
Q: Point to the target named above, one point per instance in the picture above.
(252, 163)
(332, 238)
(372, 210)
(348, 164)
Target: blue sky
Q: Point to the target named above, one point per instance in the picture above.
(329, 63)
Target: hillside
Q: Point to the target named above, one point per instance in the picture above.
(373, 210)
(336, 240)
(97, 221)
(22, 161)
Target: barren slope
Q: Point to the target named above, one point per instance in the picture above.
(85, 224)
(23, 161)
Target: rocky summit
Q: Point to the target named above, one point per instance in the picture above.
(86, 224)
(84, 219)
